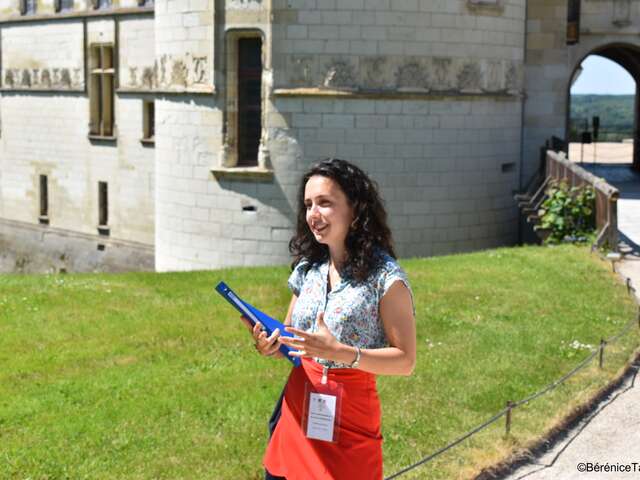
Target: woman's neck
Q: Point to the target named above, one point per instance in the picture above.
(337, 257)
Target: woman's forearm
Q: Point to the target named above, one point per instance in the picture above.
(380, 361)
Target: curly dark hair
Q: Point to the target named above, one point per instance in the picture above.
(368, 231)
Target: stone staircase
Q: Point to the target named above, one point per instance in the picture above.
(529, 204)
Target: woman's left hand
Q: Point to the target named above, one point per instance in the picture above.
(321, 344)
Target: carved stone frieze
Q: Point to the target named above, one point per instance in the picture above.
(179, 73)
(301, 70)
(45, 78)
(513, 80)
(470, 78)
(244, 4)
(340, 74)
(493, 76)
(479, 7)
(133, 72)
(42, 78)
(442, 72)
(26, 78)
(412, 76)
(376, 72)
(65, 77)
(403, 74)
(148, 77)
(170, 72)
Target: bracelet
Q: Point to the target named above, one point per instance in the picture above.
(356, 362)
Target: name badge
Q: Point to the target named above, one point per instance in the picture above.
(321, 411)
(322, 416)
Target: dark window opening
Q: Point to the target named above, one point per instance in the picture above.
(573, 22)
(101, 88)
(28, 7)
(62, 5)
(249, 100)
(103, 208)
(148, 121)
(44, 200)
(508, 167)
(101, 4)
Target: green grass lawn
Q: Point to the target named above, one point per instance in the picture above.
(153, 376)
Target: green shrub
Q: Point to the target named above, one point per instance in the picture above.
(568, 212)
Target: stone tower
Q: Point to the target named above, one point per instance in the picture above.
(424, 95)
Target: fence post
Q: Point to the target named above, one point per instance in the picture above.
(602, 344)
(508, 422)
(628, 285)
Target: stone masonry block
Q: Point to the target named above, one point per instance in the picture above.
(338, 121)
(390, 135)
(297, 32)
(337, 17)
(312, 120)
(371, 121)
(331, 135)
(350, 5)
(323, 32)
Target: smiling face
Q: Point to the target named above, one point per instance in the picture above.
(328, 211)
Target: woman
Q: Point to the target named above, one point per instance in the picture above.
(353, 318)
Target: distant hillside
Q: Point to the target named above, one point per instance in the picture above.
(615, 112)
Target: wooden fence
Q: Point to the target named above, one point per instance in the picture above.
(558, 167)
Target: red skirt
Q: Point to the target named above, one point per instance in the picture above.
(358, 452)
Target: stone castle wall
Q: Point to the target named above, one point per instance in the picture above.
(426, 96)
(44, 114)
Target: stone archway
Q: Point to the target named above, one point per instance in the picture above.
(628, 57)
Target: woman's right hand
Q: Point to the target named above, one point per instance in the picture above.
(266, 346)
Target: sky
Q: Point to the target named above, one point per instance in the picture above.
(602, 76)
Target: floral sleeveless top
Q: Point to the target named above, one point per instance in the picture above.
(351, 308)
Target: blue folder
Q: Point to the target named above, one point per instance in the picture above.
(254, 315)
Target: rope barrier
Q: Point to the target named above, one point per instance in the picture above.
(624, 330)
(449, 446)
(511, 405)
(560, 381)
